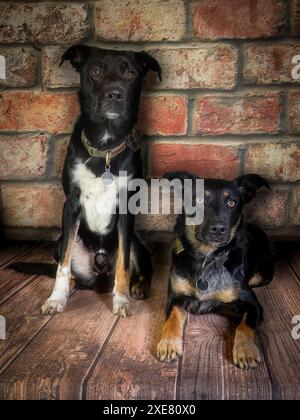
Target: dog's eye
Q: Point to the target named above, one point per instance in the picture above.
(231, 203)
(96, 72)
(130, 75)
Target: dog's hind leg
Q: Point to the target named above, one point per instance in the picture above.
(141, 270)
(70, 225)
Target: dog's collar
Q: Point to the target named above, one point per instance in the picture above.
(132, 141)
(218, 258)
(215, 262)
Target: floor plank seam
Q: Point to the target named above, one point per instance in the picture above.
(266, 362)
(22, 254)
(24, 284)
(2, 370)
(14, 358)
(87, 377)
(293, 270)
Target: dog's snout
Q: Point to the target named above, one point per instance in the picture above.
(114, 95)
(217, 229)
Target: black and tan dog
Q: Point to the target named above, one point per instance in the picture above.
(215, 266)
(98, 245)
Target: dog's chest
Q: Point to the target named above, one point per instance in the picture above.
(99, 202)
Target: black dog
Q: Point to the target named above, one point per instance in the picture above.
(216, 264)
(97, 245)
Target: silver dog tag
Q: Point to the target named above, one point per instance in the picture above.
(107, 178)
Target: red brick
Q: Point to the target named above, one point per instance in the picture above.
(140, 20)
(293, 112)
(268, 208)
(26, 111)
(165, 115)
(204, 160)
(54, 76)
(210, 67)
(296, 207)
(295, 17)
(215, 19)
(270, 63)
(20, 67)
(32, 205)
(23, 157)
(277, 162)
(60, 152)
(43, 23)
(236, 115)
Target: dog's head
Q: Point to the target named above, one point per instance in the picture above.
(111, 81)
(223, 204)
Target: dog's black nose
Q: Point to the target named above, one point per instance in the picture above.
(217, 229)
(114, 96)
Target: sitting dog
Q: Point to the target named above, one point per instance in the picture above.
(98, 245)
(215, 266)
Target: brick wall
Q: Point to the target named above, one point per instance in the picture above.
(227, 104)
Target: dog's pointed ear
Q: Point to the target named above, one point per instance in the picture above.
(147, 63)
(249, 184)
(77, 55)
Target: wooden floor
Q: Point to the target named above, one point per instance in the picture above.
(87, 353)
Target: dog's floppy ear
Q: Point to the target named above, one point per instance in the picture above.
(148, 63)
(249, 184)
(76, 54)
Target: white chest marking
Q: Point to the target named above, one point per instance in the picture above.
(99, 202)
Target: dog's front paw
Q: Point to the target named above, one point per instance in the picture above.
(121, 306)
(54, 306)
(140, 290)
(169, 349)
(246, 354)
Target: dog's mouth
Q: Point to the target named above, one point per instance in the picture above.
(112, 115)
(213, 240)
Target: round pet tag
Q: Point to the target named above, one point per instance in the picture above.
(107, 178)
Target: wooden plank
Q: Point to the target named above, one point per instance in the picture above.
(207, 371)
(56, 361)
(23, 318)
(12, 281)
(127, 368)
(294, 260)
(281, 303)
(13, 250)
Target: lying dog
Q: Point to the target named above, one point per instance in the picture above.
(215, 266)
(97, 245)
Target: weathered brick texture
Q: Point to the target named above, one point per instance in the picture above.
(228, 104)
(23, 157)
(236, 115)
(21, 67)
(214, 19)
(30, 111)
(205, 160)
(140, 20)
(266, 64)
(163, 115)
(43, 23)
(209, 67)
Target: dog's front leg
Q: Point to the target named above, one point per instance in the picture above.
(122, 277)
(245, 352)
(70, 225)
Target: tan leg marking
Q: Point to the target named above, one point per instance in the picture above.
(170, 346)
(255, 280)
(245, 352)
(59, 297)
(121, 289)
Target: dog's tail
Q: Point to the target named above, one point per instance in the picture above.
(40, 269)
